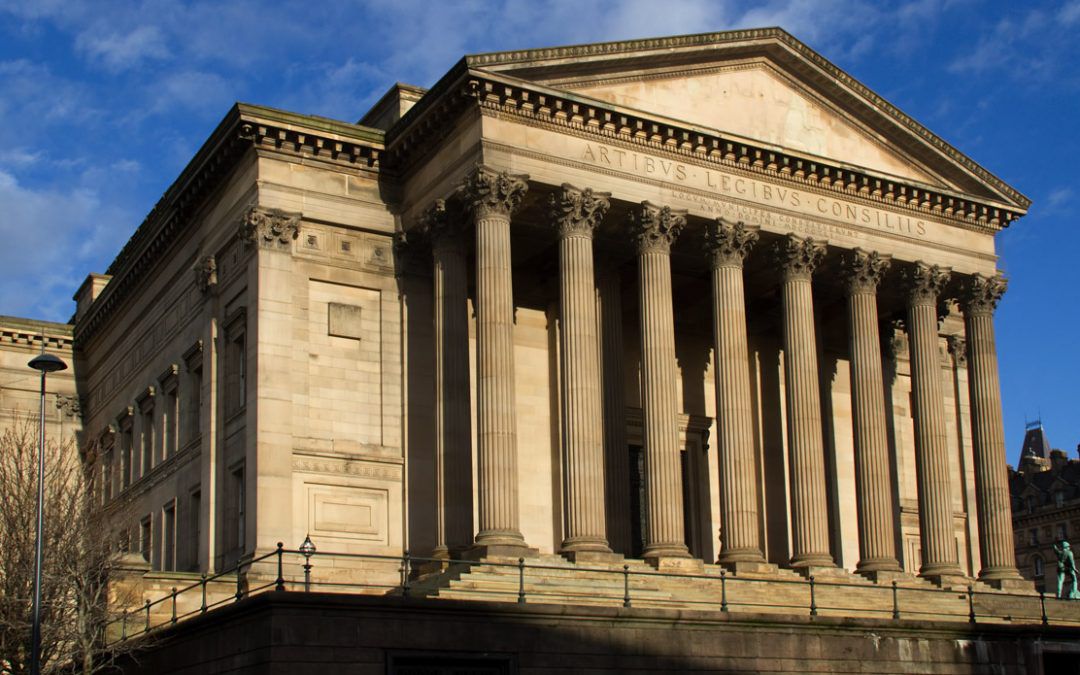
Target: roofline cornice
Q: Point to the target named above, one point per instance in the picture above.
(826, 70)
(411, 140)
(243, 128)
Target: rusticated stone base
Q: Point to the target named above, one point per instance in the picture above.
(326, 633)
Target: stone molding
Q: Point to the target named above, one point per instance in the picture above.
(488, 191)
(727, 244)
(980, 294)
(269, 228)
(575, 212)
(799, 256)
(69, 405)
(205, 271)
(654, 228)
(925, 282)
(863, 270)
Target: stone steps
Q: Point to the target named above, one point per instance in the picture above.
(776, 591)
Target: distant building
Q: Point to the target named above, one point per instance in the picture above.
(1045, 494)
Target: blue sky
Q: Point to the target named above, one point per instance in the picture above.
(102, 104)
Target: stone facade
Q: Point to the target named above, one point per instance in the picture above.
(530, 311)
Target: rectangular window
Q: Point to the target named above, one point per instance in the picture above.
(235, 364)
(146, 433)
(127, 444)
(169, 418)
(1061, 532)
(107, 475)
(238, 506)
(194, 411)
(1033, 538)
(145, 543)
(168, 536)
(195, 536)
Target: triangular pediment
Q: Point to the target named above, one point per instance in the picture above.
(763, 86)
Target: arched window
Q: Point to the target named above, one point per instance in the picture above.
(1059, 498)
(1037, 565)
(1031, 504)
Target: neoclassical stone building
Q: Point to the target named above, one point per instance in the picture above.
(703, 298)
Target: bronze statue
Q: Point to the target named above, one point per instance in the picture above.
(1066, 565)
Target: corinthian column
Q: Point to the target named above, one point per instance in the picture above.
(925, 283)
(575, 214)
(655, 228)
(492, 197)
(877, 543)
(453, 442)
(980, 297)
(728, 245)
(809, 509)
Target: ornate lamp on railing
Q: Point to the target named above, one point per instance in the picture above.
(308, 550)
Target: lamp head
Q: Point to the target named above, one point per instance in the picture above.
(47, 363)
(307, 548)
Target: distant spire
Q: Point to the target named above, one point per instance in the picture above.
(1035, 442)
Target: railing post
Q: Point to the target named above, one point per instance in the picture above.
(307, 574)
(895, 601)
(405, 571)
(813, 599)
(971, 604)
(1042, 603)
(203, 583)
(146, 628)
(626, 586)
(173, 604)
(279, 585)
(723, 590)
(521, 581)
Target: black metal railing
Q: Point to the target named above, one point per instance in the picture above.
(287, 570)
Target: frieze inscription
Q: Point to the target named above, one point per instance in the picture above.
(814, 206)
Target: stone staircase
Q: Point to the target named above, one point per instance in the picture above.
(550, 579)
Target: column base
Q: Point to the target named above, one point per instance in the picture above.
(744, 555)
(948, 578)
(482, 551)
(756, 567)
(812, 560)
(885, 577)
(1006, 579)
(874, 565)
(576, 556)
(681, 565)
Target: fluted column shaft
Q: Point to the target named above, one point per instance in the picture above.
(809, 508)
(575, 214)
(931, 441)
(987, 430)
(728, 245)
(453, 449)
(655, 229)
(877, 543)
(613, 393)
(492, 198)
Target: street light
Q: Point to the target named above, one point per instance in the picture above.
(46, 363)
(308, 550)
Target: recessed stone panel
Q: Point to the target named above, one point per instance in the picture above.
(344, 320)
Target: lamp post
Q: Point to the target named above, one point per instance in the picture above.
(46, 363)
(308, 550)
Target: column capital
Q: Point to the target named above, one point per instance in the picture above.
(863, 270)
(269, 228)
(727, 244)
(486, 190)
(656, 227)
(799, 256)
(575, 212)
(442, 225)
(958, 348)
(925, 283)
(980, 294)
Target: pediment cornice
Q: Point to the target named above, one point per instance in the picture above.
(418, 132)
(561, 64)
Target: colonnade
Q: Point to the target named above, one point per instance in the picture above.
(488, 200)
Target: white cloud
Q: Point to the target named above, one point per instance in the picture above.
(123, 50)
